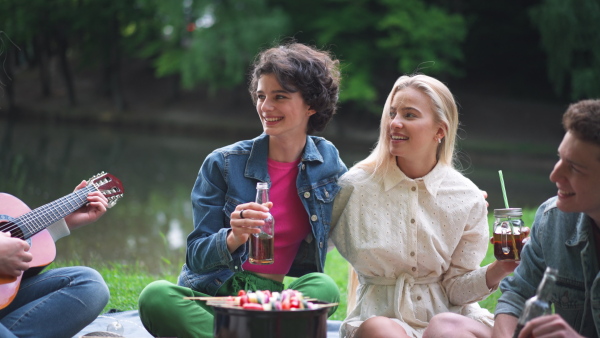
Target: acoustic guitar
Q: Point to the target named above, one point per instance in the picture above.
(30, 225)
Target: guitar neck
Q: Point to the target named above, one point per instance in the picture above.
(40, 218)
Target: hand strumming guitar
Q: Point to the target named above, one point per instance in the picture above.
(91, 212)
(14, 255)
(27, 246)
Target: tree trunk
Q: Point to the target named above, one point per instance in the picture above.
(116, 87)
(7, 84)
(63, 45)
(175, 92)
(42, 56)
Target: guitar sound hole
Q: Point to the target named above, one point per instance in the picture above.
(6, 225)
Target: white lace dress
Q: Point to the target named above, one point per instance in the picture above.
(416, 246)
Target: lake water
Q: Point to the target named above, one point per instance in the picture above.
(41, 162)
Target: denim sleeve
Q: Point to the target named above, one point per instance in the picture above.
(343, 168)
(335, 215)
(522, 285)
(207, 243)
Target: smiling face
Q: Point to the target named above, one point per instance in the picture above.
(282, 113)
(414, 132)
(577, 177)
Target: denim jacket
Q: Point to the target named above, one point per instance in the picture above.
(227, 178)
(563, 241)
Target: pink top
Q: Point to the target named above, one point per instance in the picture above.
(291, 220)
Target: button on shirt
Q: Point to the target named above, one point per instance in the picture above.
(415, 244)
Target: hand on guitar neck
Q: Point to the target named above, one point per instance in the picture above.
(89, 213)
(27, 247)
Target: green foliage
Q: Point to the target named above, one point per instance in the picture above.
(100, 28)
(212, 44)
(24, 21)
(337, 268)
(377, 41)
(349, 28)
(125, 282)
(569, 31)
(418, 33)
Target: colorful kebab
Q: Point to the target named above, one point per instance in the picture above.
(286, 300)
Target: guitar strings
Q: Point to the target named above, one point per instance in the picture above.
(38, 214)
(41, 212)
(46, 214)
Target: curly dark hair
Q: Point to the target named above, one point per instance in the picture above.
(300, 68)
(583, 120)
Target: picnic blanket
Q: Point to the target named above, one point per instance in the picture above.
(127, 324)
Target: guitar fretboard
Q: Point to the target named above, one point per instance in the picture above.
(40, 218)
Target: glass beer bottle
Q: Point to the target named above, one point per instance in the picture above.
(540, 304)
(262, 244)
(509, 233)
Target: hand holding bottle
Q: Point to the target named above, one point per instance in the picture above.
(262, 244)
(246, 219)
(540, 304)
(548, 326)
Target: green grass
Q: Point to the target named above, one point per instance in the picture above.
(127, 281)
(124, 281)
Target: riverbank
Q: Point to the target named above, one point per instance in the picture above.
(489, 111)
(499, 130)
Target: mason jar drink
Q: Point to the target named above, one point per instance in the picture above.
(509, 233)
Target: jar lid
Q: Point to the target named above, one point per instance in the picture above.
(509, 212)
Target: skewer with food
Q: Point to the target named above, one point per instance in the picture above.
(286, 300)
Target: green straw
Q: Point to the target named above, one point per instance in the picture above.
(503, 189)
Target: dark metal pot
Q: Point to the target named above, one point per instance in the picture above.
(240, 323)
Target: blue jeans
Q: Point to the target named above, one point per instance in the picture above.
(56, 303)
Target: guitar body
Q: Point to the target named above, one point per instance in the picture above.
(30, 225)
(41, 247)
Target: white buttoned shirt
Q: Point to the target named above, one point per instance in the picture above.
(416, 245)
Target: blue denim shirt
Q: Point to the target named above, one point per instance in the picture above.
(227, 178)
(564, 241)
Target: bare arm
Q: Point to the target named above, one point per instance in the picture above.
(504, 326)
(497, 271)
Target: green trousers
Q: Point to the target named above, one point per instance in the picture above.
(165, 313)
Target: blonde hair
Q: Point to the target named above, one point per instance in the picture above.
(444, 107)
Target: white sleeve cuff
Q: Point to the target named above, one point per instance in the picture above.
(59, 230)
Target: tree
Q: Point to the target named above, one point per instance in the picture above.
(569, 31)
(211, 43)
(377, 41)
(107, 31)
(7, 57)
